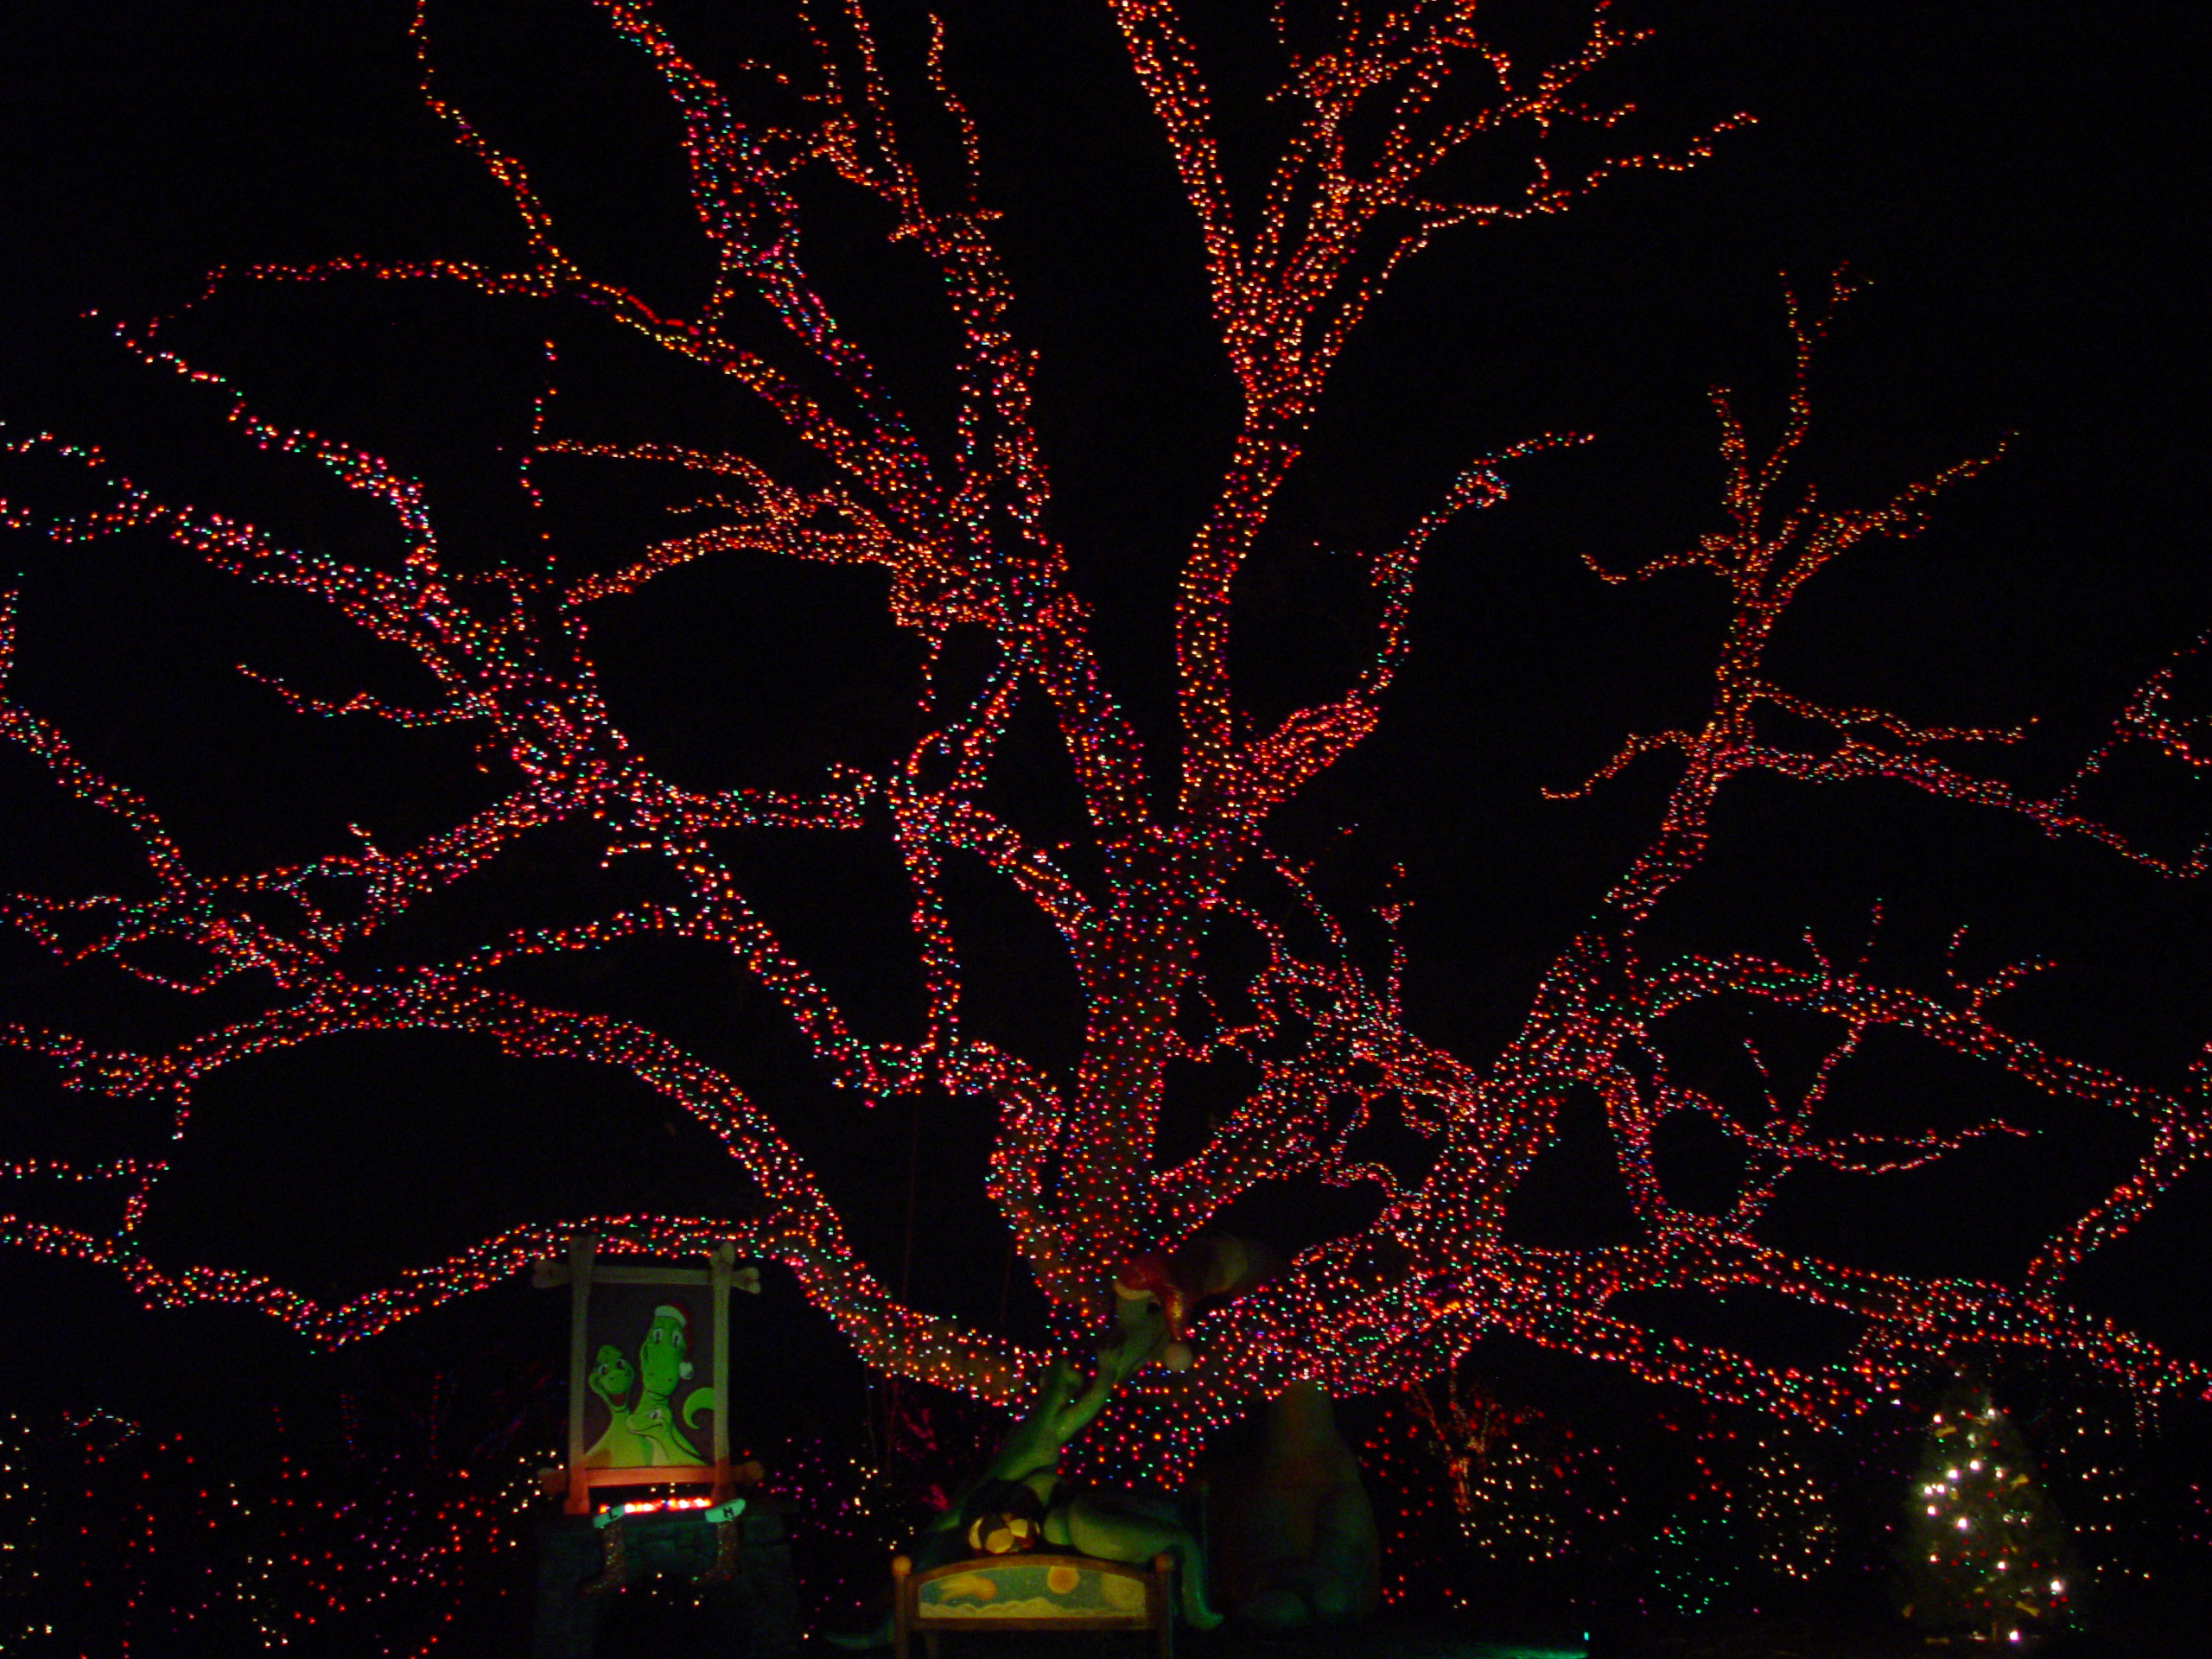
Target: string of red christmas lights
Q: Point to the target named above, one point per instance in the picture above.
(959, 530)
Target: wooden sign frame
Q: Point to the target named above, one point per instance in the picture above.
(580, 1272)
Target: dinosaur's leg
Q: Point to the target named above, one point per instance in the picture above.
(1096, 1526)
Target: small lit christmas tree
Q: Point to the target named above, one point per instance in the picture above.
(1984, 1551)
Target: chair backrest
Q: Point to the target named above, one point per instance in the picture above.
(1033, 1592)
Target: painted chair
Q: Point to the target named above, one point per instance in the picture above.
(1031, 1593)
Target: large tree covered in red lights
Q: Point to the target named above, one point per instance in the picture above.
(1394, 127)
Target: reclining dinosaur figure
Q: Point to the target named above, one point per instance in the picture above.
(1021, 1492)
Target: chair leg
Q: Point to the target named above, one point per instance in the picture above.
(901, 1568)
(1162, 1603)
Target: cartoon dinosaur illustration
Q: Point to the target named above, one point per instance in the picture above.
(645, 1434)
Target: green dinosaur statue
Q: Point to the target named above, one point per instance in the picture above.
(1293, 1537)
(646, 1435)
(1023, 1479)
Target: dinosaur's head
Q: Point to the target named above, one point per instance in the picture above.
(613, 1377)
(664, 1357)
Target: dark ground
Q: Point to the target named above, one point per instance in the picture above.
(2169, 1633)
(1706, 1638)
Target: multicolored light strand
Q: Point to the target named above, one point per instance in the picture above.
(960, 532)
(117, 1539)
(1984, 1550)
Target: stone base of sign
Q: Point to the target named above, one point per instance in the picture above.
(749, 1600)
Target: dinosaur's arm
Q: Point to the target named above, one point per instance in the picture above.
(1076, 1415)
(1138, 1340)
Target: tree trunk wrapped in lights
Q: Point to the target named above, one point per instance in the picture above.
(1382, 110)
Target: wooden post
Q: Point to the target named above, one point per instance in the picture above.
(718, 1269)
(581, 1249)
(1163, 1602)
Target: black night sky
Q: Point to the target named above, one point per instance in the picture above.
(2011, 182)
